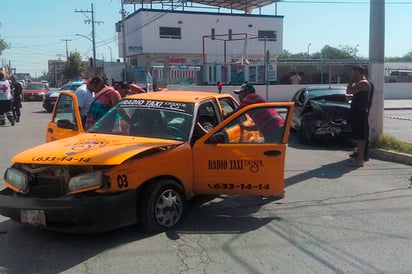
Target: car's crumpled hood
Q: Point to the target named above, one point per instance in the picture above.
(325, 103)
(92, 149)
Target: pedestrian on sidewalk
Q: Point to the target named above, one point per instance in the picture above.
(5, 101)
(17, 96)
(219, 87)
(360, 87)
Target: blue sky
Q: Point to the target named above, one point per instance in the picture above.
(35, 28)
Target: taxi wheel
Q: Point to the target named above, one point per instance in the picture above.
(163, 206)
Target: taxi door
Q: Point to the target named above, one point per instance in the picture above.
(245, 154)
(65, 120)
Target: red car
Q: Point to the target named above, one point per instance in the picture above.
(34, 91)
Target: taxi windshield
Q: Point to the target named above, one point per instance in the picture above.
(147, 118)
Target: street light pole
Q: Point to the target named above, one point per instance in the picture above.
(356, 51)
(308, 49)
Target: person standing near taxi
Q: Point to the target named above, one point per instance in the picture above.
(268, 121)
(105, 97)
(6, 99)
(84, 100)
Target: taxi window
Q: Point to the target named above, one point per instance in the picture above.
(259, 125)
(228, 106)
(64, 109)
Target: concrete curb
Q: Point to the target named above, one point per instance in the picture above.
(390, 156)
(398, 108)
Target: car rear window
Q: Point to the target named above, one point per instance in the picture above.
(35, 86)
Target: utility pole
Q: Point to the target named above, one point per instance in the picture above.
(59, 71)
(93, 22)
(67, 48)
(376, 65)
(123, 12)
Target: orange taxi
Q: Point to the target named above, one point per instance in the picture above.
(142, 161)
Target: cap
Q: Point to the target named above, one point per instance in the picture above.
(245, 87)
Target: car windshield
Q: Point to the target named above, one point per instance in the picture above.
(147, 118)
(325, 92)
(70, 86)
(35, 86)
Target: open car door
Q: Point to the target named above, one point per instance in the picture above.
(245, 154)
(66, 120)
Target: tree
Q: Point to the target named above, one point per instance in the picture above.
(3, 45)
(405, 58)
(288, 55)
(328, 52)
(73, 67)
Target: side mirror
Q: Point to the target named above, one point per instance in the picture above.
(218, 138)
(63, 123)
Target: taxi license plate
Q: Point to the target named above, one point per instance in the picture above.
(31, 97)
(33, 217)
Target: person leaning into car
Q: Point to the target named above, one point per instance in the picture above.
(359, 87)
(268, 121)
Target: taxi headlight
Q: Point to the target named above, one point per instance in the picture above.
(86, 182)
(18, 179)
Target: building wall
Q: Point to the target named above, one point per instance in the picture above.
(142, 29)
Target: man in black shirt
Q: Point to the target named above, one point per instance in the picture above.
(360, 87)
(17, 95)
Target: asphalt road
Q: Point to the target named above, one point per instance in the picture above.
(333, 219)
(398, 123)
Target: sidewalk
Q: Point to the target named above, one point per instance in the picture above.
(399, 131)
(394, 104)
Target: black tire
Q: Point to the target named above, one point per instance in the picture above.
(305, 133)
(162, 207)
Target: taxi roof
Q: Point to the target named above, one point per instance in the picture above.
(178, 96)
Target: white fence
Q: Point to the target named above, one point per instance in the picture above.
(285, 92)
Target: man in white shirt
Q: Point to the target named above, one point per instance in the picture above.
(84, 99)
(6, 99)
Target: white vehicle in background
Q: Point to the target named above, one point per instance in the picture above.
(398, 76)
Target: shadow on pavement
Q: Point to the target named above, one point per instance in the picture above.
(53, 252)
(329, 171)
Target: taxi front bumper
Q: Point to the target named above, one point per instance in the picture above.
(73, 214)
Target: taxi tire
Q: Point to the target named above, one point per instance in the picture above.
(152, 206)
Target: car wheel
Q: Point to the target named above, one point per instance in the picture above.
(305, 133)
(162, 207)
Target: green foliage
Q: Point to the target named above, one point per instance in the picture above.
(288, 55)
(73, 67)
(3, 45)
(405, 58)
(391, 143)
(327, 52)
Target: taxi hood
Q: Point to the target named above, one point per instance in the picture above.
(93, 149)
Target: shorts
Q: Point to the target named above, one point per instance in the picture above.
(5, 106)
(360, 126)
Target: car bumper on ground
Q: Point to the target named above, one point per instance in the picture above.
(74, 214)
(49, 104)
(30, 97)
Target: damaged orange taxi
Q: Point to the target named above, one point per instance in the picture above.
(143, 160)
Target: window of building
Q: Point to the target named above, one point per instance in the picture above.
(270, 35)
(170, 33)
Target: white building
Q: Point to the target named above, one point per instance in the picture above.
(202, 47)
